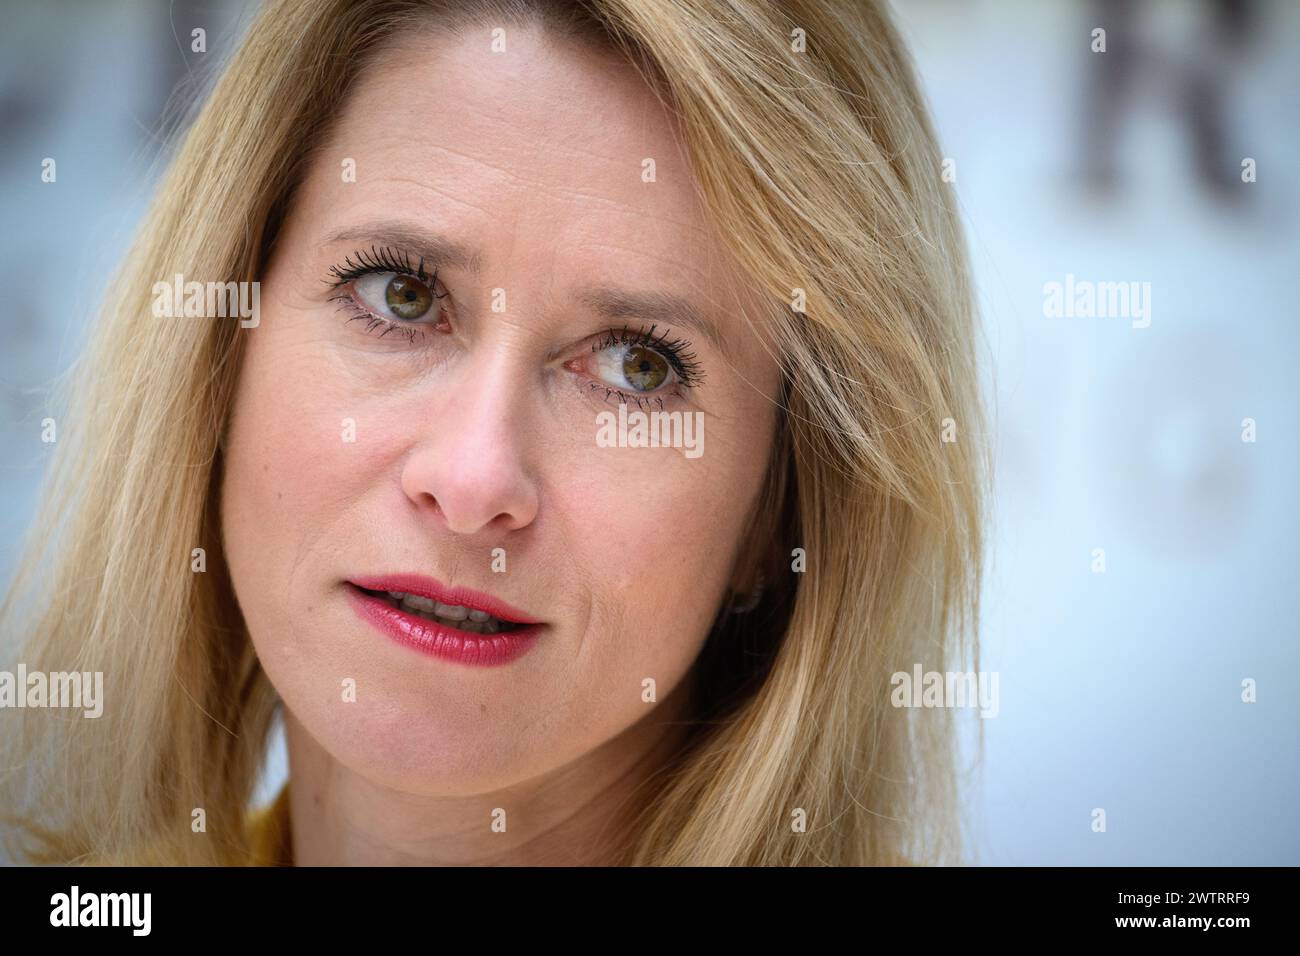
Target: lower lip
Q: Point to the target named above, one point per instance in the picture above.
(439, 640)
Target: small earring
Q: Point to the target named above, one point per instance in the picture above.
(751, 601)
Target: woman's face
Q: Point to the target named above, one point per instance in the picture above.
(443, 433)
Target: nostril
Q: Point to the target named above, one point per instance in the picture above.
(467, 493)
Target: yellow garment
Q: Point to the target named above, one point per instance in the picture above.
(269, 833)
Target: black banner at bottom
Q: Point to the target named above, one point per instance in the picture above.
(304, 905)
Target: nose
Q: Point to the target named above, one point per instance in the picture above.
(467, 467)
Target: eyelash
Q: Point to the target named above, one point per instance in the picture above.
(367, 262)
(676, 351)
(375, 259)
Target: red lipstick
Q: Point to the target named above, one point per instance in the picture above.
(516, 633)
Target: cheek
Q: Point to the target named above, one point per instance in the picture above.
(656, 535)
(291, 469)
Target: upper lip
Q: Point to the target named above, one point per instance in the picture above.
(423, 586)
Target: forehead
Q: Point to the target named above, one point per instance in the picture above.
(553, 147)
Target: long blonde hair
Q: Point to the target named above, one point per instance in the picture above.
(815, 158)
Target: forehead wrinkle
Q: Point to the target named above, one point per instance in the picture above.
(423, 136)
(584, 190)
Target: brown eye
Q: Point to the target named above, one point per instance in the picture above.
(644, 369)
(408, 297)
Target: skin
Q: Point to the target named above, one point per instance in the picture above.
(479, 435)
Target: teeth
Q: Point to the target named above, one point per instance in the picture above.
(451, 612)
(417, 603)
(462, 618)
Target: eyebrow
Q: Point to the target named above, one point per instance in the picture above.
(436, 250)
(610, 302)
(659, 308)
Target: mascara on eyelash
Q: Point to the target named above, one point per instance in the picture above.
(379, 261)
(349, 305)
(678, 351)
(386, 259)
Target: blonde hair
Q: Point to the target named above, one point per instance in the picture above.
(821, 171)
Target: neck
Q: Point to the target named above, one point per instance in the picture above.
(579, 814)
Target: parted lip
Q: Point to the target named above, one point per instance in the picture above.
(424, 586)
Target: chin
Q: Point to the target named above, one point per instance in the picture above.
(432, 740)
